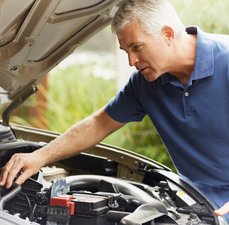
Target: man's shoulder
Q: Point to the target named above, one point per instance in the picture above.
(220, 45)
(219, 38)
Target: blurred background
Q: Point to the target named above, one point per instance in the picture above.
(93, 74)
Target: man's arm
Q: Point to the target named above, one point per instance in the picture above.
(79, 137)
(223, 210)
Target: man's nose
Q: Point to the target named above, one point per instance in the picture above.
(132, 59)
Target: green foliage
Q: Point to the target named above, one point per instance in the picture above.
(209, 15)
(74, 95)
(141, 137)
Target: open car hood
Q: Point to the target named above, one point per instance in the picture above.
(35, 35)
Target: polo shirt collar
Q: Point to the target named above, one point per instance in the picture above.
(204, 64)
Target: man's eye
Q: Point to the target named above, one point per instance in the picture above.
(136, 47)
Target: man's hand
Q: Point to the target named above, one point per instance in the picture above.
(223, 210)
(20, 167)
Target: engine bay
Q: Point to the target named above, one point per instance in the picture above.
(89, 189)
(95, 199)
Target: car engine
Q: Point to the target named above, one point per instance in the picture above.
(95, 200)
(91, 197)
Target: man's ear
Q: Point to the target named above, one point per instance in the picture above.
(168, 34)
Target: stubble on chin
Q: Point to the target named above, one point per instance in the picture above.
(150, 76)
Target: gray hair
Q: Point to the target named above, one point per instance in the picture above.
(153, 15)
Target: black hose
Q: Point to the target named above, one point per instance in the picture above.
(7, 197)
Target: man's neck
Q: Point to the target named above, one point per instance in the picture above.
(185, 58)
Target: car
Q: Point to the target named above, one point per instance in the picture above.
(104, 185)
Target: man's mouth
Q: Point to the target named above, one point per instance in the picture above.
(143, 69)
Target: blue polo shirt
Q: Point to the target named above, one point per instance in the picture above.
(193, 121)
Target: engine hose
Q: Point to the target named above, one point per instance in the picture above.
(7, 197)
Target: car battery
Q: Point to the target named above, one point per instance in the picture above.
(90, 209)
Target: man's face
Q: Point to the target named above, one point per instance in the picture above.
(146, 53)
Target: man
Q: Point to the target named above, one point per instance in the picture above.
(181, 82)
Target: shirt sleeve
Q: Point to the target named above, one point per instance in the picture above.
(125, 106)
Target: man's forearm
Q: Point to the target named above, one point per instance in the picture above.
(79, 137)
(76, 139)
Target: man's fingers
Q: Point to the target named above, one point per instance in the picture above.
(16, 167)
(11, 170)
(5, 172)
(223, 210)
(23, 177)
(20, 167)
